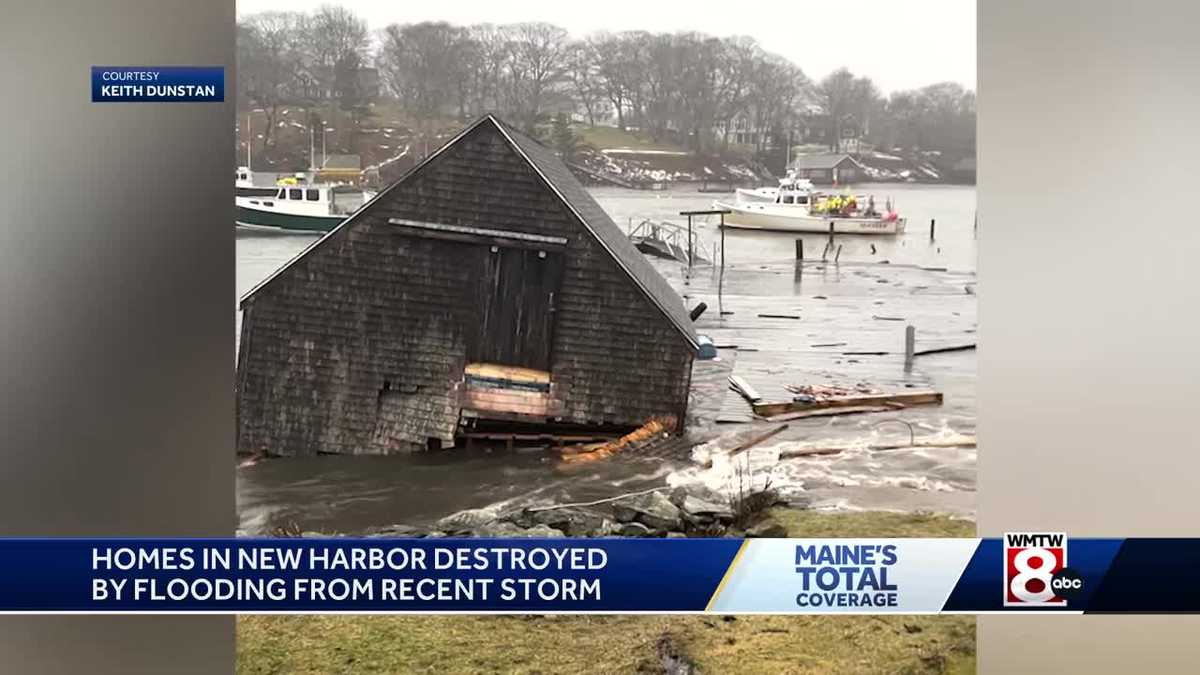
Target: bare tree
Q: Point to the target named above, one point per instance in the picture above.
(584, 74)
(847, 100)
(423, 64)
(269, 62)
(486, 65)
(690, 88)
(332, 35)
(538, 64)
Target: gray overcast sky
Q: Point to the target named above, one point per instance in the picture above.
(899, 44)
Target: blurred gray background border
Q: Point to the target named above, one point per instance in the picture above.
(116, 312)
(1089, 157)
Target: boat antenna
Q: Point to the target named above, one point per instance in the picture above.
(312, 150)
(249, 141)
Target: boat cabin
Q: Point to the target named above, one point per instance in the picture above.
(330, 199)
(793, 191)
(244, 185)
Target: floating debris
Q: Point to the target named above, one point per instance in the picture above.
(900, 400)
(944, 350)
(653, 430)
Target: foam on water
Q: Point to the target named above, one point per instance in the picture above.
(853, 471)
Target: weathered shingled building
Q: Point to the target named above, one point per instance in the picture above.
(485, 284)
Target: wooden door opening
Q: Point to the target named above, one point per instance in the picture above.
(517, 292)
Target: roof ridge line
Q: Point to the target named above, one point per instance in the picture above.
(362, 209)
(654, 300)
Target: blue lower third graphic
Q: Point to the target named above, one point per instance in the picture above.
(361, 575)
(158, 84)
(786, 576)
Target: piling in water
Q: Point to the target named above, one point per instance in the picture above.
(910, 345)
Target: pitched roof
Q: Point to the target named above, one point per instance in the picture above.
(820, 161)
(567, 188)
(580, 201)
(342, 162)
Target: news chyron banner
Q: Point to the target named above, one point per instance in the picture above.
(1020, 572)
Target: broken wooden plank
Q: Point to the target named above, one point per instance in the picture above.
(742, 387)
(756, 439)
(828, 412)
(944, 350)
(953, 442)
(747, 444)
(651, 430)
(905, 398)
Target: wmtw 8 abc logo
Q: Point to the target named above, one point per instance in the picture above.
(1036, 572)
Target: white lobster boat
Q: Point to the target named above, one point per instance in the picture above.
(300, 207)
(795, 207)
(790, 218)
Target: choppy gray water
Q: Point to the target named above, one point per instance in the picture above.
(838, 304)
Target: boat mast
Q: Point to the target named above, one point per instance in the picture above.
(249, 141)
(312, 150)
(787, 157)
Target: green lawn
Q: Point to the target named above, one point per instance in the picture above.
(604, 138)
(622, 644)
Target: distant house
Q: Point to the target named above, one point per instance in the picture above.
(319, 84)
(827, 169)
(742, 130)
(485, 287)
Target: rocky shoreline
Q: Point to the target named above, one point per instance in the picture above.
(658, 512)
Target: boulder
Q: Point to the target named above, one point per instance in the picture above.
(678, 495)
(652, 509)
(395, 531)
(576, 522)
(542, 531)
(635, 530)
(701, 511)
(502, 528)
(467, 520)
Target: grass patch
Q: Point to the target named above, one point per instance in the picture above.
(818, 524)
(604, 138)
(622, 644)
